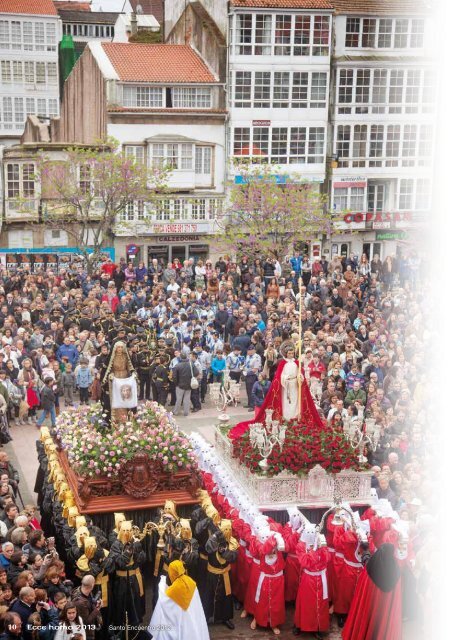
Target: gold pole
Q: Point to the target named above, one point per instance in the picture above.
(300, 347)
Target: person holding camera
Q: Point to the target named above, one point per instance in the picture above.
(88, 607)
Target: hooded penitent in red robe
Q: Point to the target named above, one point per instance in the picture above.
(266, 591)
(312, 603)
(292, 566)
(376, 609)
(309, 415)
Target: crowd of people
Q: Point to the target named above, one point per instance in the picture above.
(364, 342)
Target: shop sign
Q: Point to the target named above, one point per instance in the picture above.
(378, 218)
(261, 123)
(179, 227)
(345, 183)
(391, 235)
(178, 238)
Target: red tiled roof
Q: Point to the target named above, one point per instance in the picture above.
(136, 62)
(72, 6)
(28, 7)
(283, 4)
(381, 7)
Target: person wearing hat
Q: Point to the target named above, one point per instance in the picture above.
(161, 379)
(252, 366)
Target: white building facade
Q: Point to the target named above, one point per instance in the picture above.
(383, 114)
(29, 76)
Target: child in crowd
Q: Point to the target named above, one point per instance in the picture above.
(68, 384)
(84, 379)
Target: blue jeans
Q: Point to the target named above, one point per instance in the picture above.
(43, 416)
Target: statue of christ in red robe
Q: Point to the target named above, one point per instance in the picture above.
(288, 399)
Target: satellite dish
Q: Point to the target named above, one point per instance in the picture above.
(139, 10)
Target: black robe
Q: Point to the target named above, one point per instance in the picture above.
(217, 605)
(126, 588)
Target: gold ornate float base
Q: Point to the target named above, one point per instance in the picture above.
(140, 484)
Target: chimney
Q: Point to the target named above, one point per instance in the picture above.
(133, 23)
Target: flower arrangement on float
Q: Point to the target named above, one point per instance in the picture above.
(95, 450)
(296, 449)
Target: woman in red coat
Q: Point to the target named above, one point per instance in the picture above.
(376, 609)
(312, 603)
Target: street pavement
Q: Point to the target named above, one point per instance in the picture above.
(22, 451)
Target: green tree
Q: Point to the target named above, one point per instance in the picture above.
(266, 217)
(87, 190)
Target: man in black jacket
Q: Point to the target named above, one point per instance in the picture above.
(182, 375)
(47, 402)
(12, 625)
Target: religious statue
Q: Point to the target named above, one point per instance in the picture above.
(119, 385)
(288, 398)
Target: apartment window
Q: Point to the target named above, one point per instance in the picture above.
(401, 33)
(321, 36)
(52, 77)
(186, 157)
(129, 212)
(283, 35)
(392, 149)
(7, 113)
(376, 144)
(379, 96)
(19, 111)
(39, 36)
(352, 32)
(4, 34)
(376, 197)
(6, 71)
(300, 90)
(359, 144)
(318, 90)
(20, 180)
(262, 94)
(417, 32)
(199, 209)
(40, 73)
(203, 160)
(42, 107)
(409, 145)
(29, 72)
(343, 141)
(16, 35)
(423, 194)
(362, 91)
(243, 89)
(53, 107)
(17, 71)
(51, 36)
(158, 155)
(134, 96)
(172, 155)
(302, 36)
(396, 90)
(425, 146)
(85, 179)
(384, 33)
(368, 33)
(412, 90)
(13, 180)
(192, 97)
(345, 89)
(297, 145)
(135, 152)
(244, 32)
(279, 145)
(428, 90)
(28, 35)
(281, 89)
(263, 35)
(30, 106)
(260, 142)
(241, 141)
(349, 199)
